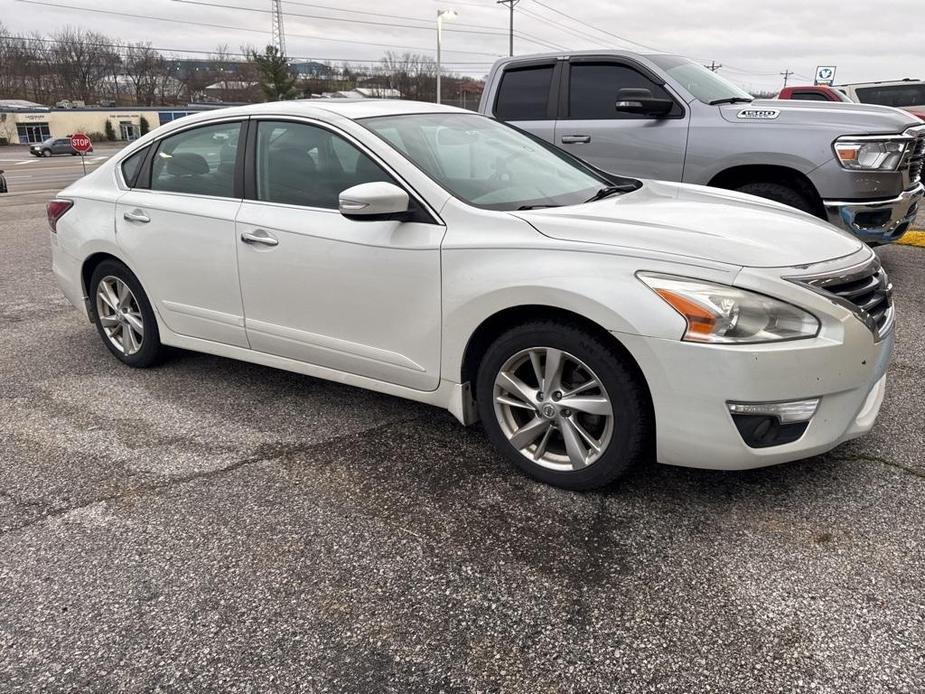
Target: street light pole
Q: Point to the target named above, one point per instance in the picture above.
(441, 14)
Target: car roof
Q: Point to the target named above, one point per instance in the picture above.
(348, 108)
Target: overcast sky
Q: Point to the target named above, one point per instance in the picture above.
(754, 41)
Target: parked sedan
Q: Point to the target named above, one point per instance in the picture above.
(441, 256)
(54, 145)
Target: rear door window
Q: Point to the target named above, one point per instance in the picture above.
(524, 93)
(200, 161)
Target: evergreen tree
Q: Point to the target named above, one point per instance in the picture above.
(276, 81)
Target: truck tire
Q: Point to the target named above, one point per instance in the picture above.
(779, 192)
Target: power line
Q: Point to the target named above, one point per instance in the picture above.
(591, 26)
(234, 28)
(713, 66)
(126, 46)
(427, 28)
(786, 73)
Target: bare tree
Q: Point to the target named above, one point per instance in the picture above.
(413, 74)
(145, 69)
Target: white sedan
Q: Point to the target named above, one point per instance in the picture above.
(434, 254)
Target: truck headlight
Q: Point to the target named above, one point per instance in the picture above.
(870, 154)
(722, 314)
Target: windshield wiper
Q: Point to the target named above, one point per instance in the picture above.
(607, 191)
(732, 100)
(535, 207)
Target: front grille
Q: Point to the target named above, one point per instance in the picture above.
(915, 157)
(866, 291)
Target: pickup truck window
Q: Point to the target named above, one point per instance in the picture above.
(593, 90)
(488, 164)
(705, 85)
(893, 95)
(524, 93)
(809, 96)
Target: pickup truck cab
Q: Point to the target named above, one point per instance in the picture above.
(907, 94)
(666, 117)
(816, 92)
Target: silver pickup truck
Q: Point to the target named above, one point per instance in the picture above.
(666, 117)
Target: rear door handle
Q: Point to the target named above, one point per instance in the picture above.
(258, 236)
(136, 216)
(576, 139)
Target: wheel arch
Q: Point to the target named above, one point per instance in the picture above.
(502, 320)
(90, 263)
(736, 176)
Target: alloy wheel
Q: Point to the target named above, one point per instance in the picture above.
(120, 315)
(553, 409)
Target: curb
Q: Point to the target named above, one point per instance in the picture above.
(915, 237)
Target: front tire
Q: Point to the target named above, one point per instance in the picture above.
(123, 315)
(46, 152)
(563, 405)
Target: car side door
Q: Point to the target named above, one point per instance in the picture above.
(176, 228)
(62, 146)
(361, 297)
(591, 127)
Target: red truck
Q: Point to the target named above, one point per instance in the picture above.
(824, 93)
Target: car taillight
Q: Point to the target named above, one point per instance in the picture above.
(55, 210)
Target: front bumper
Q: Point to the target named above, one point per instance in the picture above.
(877, 221)
(691, 385)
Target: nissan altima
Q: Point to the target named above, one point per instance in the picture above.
(423, 251)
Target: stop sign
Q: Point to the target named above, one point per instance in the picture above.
(81, 143)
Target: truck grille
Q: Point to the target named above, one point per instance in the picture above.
(916, 155)
(866, 291)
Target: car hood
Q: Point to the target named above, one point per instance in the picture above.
(847, 118)
(698, 222)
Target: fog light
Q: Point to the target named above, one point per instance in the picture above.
(764, 424)
(786, 412)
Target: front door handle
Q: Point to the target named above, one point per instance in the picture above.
(576, 139)
(136, 216)
(258, 236)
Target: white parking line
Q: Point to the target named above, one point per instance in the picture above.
(27, 161)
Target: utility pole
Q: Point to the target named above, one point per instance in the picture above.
(510, 4)
(786, 73)
(713, 66)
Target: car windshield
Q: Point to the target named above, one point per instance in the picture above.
(486, 163)
(704, 84)
(893, 95)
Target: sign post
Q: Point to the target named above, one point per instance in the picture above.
(825, 74)
(81, 144)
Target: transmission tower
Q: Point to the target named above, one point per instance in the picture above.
(278, 35)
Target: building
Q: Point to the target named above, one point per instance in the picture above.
(25, 125)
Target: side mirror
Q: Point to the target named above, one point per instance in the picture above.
(374, 202)
(640, 101)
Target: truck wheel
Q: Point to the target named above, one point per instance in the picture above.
(778, 193)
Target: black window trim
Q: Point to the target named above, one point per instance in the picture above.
(425, 214)
(551, 98)
(565, 79)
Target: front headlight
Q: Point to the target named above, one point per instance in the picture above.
(718, 313)
(870, 154)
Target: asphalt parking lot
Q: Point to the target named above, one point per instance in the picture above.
(211, 525)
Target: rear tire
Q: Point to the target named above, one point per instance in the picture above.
(575, 440)
(779, 192)
(123, 315)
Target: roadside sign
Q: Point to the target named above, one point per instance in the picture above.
(81, 143)
(825, 74)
